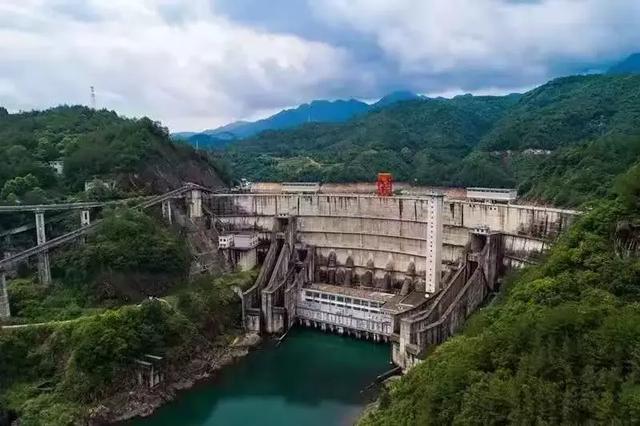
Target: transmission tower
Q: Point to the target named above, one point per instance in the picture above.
(93, 98)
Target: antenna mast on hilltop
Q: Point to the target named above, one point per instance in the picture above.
(93, 98)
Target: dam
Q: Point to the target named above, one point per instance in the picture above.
(402, 269)
(407, 270)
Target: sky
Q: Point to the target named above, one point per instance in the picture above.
(196, 64)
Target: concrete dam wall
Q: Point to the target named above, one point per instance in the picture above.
(396, 235)
(407, 270)
(388, 234)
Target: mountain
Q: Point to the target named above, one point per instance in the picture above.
(391, 98)
(630, 65)
(318, 111)
(228, 128)
(135, 153)
(569, 110)
(423, 139)
(207, 141)
(182, 135)
(562, 142)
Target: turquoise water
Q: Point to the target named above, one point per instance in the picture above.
(310, 379)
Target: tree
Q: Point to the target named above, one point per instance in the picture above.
(19, 186)
(628, 187)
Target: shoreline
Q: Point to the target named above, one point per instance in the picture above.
(139, 401)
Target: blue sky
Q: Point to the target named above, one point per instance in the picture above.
(197, 64)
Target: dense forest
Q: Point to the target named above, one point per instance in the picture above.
(97, 314)
(137, 154)
(435, 132)
(55, 373)
(524, 141)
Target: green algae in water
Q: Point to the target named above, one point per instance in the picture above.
(312, 378)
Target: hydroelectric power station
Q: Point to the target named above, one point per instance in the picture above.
(407, 270)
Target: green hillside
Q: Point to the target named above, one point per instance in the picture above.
(137, 154)
(569, 110)
(576, 174)
(590, 125)
(560, 346)
(422, 139)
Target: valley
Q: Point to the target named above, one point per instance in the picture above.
(132, 272)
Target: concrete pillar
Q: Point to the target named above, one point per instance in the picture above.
(166, 211)
(85, 218)
(152, 378)
(40, 231)
(195, 203)
(434, 245)
(405, 339)
(5, 312)
(267, 311)
(44, 268)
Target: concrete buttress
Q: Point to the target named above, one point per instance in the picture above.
(195, 203)
(166, 211)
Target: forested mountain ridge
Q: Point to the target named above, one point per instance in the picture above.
(137, 154)
(317, 111)
(438, 132)
(629, 65)
(569, 110)
(557, 143)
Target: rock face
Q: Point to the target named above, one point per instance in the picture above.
(247, 341)
(170, 168)
(140, 401)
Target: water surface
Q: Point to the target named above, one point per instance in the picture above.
(311, 379)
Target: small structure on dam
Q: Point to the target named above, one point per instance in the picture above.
(401, 269)
(240, 249)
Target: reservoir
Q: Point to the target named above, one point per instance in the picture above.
(310, 379)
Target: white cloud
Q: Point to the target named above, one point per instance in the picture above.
(191, 65)
(174, 61)
(527, 38)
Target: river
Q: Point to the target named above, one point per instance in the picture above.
(312, 378)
